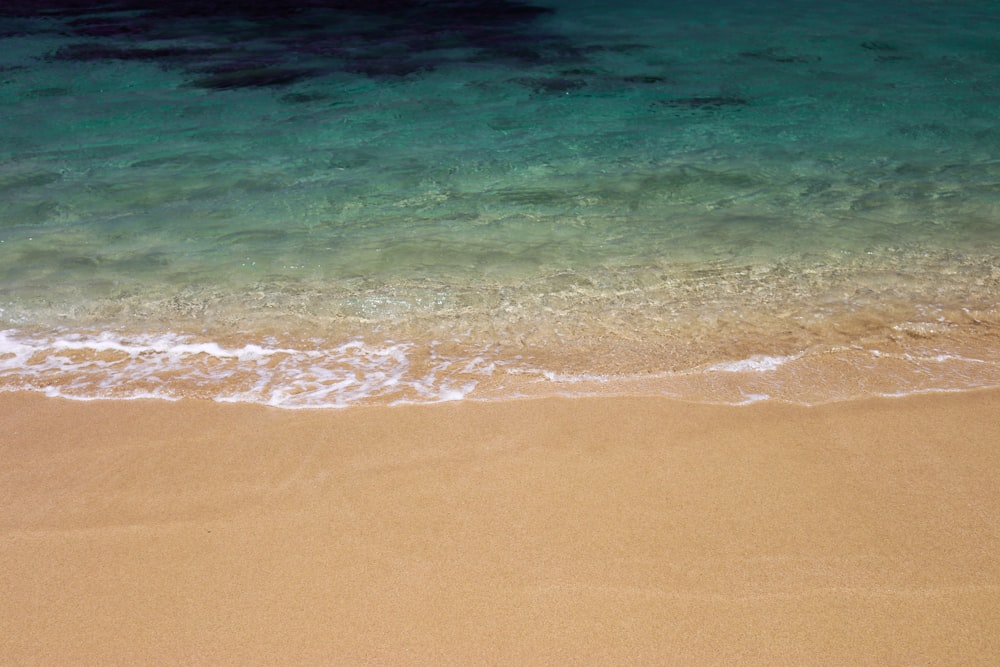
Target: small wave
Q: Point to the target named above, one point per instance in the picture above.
(317, 373)
(172, 366)
(756, 363)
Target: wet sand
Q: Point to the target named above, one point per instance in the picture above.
(549, 531)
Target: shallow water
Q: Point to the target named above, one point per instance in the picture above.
(429, 201)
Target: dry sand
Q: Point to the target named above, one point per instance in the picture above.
(559, 531)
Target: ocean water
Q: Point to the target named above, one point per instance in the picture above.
(325, 203)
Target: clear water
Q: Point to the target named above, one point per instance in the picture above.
(322, 204)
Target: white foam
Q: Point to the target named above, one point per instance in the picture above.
(749, 399)
(171, 366)
(563, 378)
(757, 363)
(323, 374)
(942, 358)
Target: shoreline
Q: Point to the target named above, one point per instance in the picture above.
(292, 372)
(607, 530)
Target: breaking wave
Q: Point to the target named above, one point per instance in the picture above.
(313, 373)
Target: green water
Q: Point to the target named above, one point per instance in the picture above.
(620, 192)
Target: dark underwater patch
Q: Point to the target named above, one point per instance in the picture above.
(381, 39)
(713, 103)
(106, 26)
(779, 55)
(87, 52)
(385, 67)
(615, 48)
(644, 79)
(254, 77)
(550, 85)
(878, 46)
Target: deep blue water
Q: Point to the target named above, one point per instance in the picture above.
(329, 202)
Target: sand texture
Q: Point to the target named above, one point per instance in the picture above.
(606, 531)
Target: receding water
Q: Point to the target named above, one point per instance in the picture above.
(320, 203)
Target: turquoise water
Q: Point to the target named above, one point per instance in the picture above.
(337, 205)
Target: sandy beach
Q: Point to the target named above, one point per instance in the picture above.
(602, 531)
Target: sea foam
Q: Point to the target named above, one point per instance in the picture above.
(171, 366)
(318, 373)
